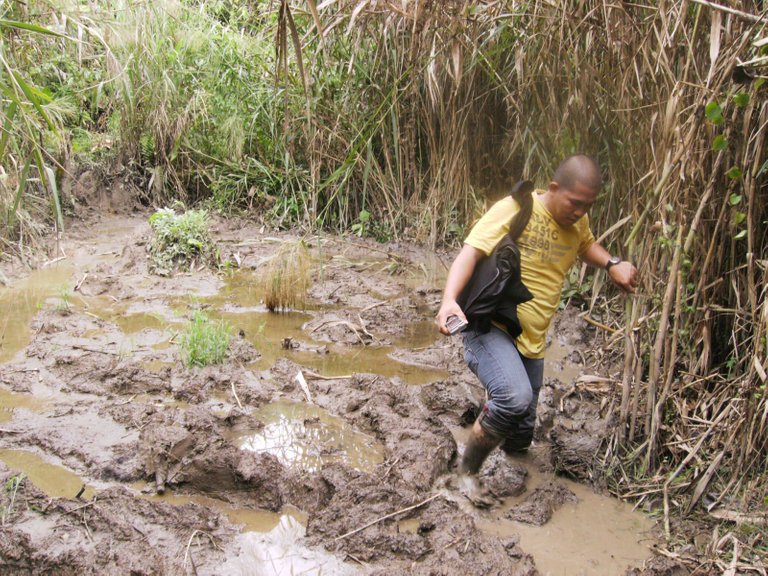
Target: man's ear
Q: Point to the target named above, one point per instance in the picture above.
(553, 187)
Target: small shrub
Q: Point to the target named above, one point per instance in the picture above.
(205, 341)
(180, 240)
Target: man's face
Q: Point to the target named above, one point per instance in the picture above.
(568, 205)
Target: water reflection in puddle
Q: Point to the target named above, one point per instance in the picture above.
(306, 437)
(281, 552)
(55, 481)
(21, 302)
(250, 520)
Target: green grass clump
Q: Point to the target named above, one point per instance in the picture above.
(180, 240)
(205, 341)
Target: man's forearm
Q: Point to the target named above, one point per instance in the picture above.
(596, 256)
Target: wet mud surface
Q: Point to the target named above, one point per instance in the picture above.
(321, 445)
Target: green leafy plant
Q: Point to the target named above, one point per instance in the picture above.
(361, 225)
(205, 341)
(180, 239)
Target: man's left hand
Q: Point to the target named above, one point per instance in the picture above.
(624, 275)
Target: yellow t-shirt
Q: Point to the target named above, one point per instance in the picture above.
(547, 252)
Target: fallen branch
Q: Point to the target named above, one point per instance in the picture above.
(419, 505)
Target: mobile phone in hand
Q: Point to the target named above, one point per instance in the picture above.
(455, 324)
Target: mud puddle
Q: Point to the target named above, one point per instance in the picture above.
(55, 481)
(306, 437)
(22, 301)
(258, 475)
(583, 534)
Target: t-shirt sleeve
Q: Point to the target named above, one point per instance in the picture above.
(586, 238)
(487, 232)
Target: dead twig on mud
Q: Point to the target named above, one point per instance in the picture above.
(86, 505)
(51, 262)
(308, 374)
(355, 531)
(452, 543)
(94, 350)
(124, 402)
(363, 564)
(332, 323)
(304, 386)
(188, 554)
(589, 320)
(234, 393)
(79, 284)
(372, 306)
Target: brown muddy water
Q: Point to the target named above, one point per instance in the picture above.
(306, 475)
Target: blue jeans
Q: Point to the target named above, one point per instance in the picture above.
(512, 381)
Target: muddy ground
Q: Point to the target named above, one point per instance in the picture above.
(98, 389)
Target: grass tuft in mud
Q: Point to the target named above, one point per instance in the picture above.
(11, 489)
(205, 341)
(180, 240)
(286, 279)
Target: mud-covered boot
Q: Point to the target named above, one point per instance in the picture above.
(516, 445)
(479, 445)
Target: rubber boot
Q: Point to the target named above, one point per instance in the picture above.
(479, 445)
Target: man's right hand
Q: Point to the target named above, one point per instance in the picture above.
(448, 309)
(458, 276)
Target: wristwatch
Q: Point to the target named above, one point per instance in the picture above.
(612, 261)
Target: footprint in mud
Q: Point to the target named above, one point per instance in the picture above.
(468, 487)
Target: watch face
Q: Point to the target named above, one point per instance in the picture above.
(612, 261)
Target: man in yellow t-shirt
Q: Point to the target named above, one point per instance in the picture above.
(512, 370)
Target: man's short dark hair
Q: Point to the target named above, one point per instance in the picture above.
(579, 169)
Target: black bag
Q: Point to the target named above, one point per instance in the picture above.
(495, 288)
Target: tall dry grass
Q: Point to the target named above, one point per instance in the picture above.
(442, 103)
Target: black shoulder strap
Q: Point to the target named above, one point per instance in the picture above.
(521, 192)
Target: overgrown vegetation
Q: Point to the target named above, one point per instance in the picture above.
(205, 341)
(180, 240)
(391, 121)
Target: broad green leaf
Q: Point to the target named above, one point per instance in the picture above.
(741, 99)
(740, 235)
(739, 217)
(714, 113)
(734, 173)
(735, 199)
(719, 143)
